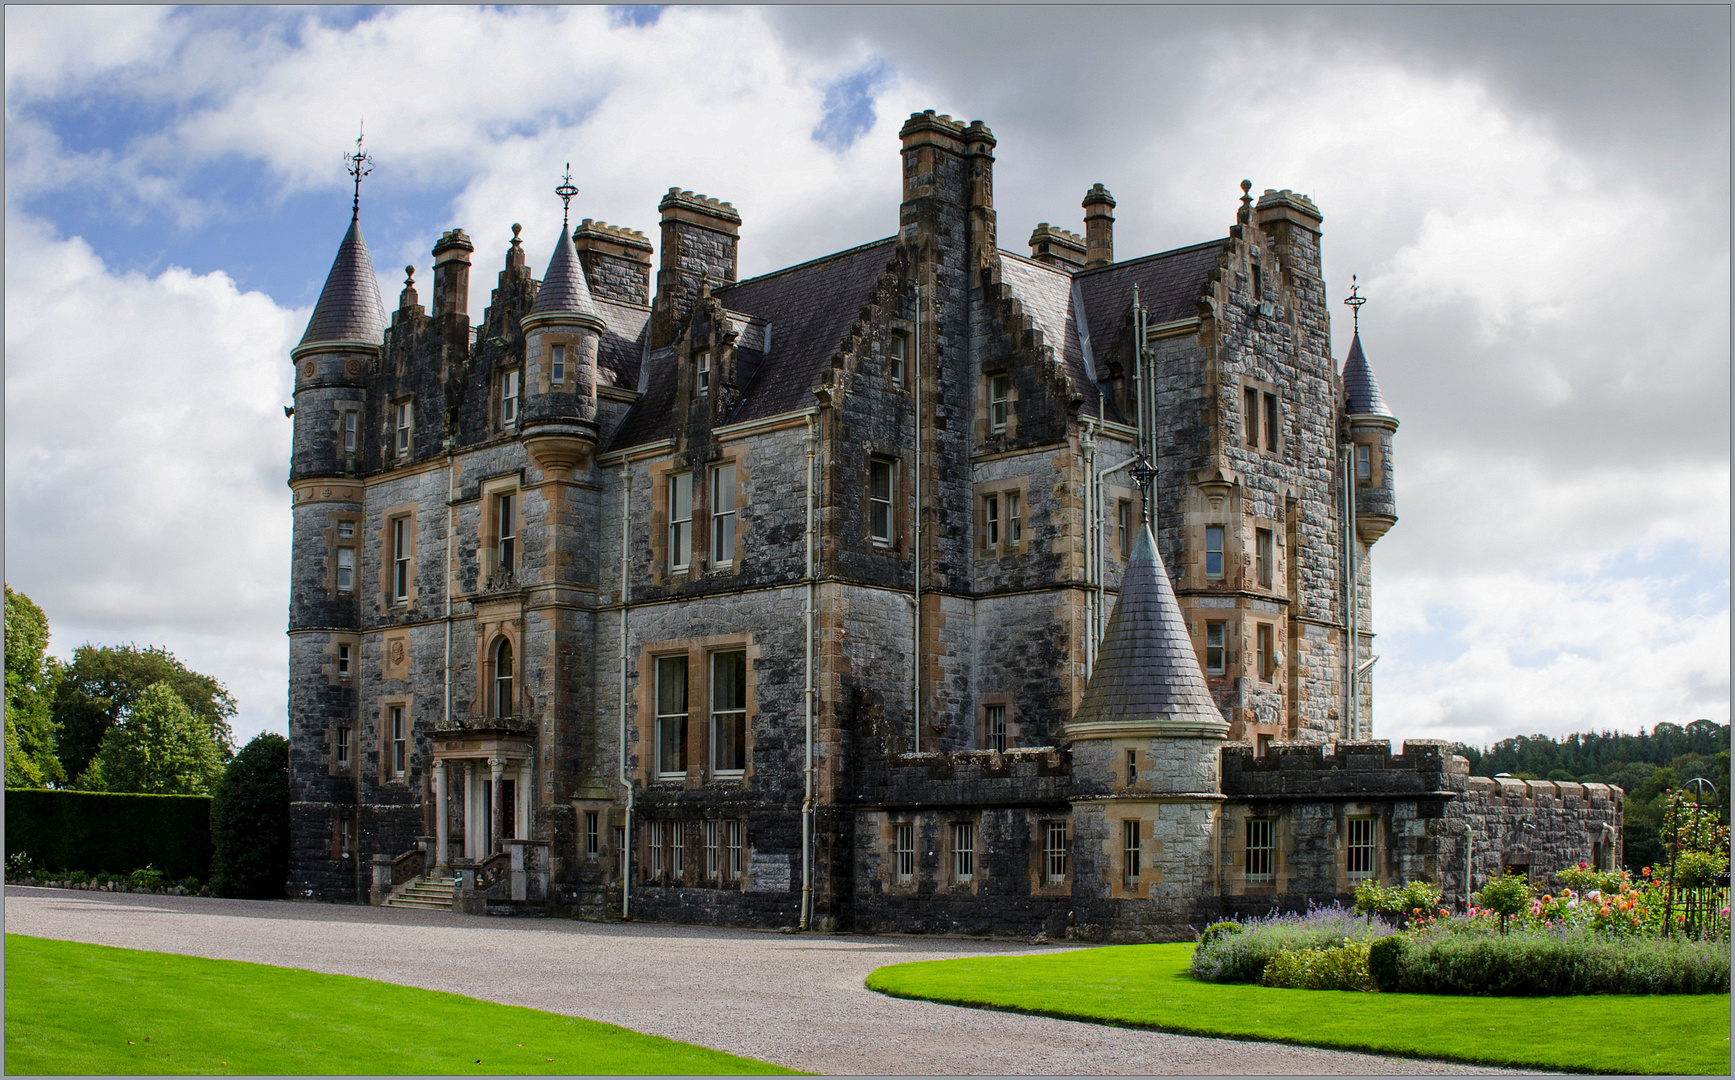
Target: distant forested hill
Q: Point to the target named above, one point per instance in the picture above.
(1645, 765)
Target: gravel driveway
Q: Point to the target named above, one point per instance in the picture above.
(793, 999)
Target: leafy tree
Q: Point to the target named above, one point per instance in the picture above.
(158, 748)
(103, 682)
(31, 760)
(250, 822)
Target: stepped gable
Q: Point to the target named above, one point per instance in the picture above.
(349, 307)
(807, 310)
(1170, 285)
(564, 290)
(1361, 393)
(1146, 670)
(1047, 295)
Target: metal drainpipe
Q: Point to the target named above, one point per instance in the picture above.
(916, 545)
(1352, 651)
(1092, 528)
(626, 856)
(810, 441)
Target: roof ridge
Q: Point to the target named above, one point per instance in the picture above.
(804, 265)
(1156, 255)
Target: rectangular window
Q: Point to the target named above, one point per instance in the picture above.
(680, 521)
(732, 849)
(1363, 467)
(963, 851)
(990, 522)
(592, 832)
(728, 713)
(346, 530)
(343, 659)
(895, 347)
(1259, 847)
(1214, 552)
(400, 560)
(904, 850)
(702, 362)
(403, 424)
(506, 523)
(723, 515)
(620, 852)
(880, 502)
(676, 841)
(999, 406)
(1214, 658)
(1263, 556)
(349, 431)
(1124, 523)
(509, 399)
(343, 737)
(713, 855)
(1263, 746)
(1267, 661)
(345, 569)
(557, 369)
(1258, 283)
(1130, 837)
(1361, 847)
(1271, 426)
(655, 870)
(1132, 767)
(1250, 415)
(400, 744)
(1054, 851)
(1014, 518)
(671, 717)
(997, 728)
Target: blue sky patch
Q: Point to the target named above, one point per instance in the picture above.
(849, 106)
(635, 14)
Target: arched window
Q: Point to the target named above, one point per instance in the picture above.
(503, 679)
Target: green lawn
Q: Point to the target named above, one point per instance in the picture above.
(1148, 986)
(74, 1008)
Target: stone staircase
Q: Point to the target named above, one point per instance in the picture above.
(428, 892)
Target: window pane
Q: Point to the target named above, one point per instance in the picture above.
(1361, 463)
(729, 711)
(1213, 551)
(1271, 422)
(1014, 517)
(1250, 416)
(671, 714)
(881, 479)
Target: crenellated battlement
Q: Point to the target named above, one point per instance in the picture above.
(1344, 768)
(618, 233)
(695, 201)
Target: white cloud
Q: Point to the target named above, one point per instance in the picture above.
(146, 452)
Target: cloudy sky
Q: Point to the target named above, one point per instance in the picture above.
(1536, 202)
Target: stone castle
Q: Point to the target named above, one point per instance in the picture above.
(827, 598)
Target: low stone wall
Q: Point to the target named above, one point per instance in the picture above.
(1543, 826)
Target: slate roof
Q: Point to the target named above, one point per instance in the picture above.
(622, 348)
(564, 290)
(808, 307)
(1361, 394)
(1170, 284)
(1049, 299)
(1146, 668)
(349, 307)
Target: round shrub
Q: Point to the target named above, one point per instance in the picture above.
(1385, 961)
(1505, 896)
(250, 822)
(1218, 930)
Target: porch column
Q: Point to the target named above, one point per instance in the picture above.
(527, 797)
(498, 766)
(441, 812)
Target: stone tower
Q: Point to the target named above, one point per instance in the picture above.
(1369, 426)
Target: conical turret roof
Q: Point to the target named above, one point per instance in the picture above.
(349, 307)
(1146, 670)
(564, 290)
(1361, 394)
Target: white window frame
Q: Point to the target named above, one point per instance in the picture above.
(963, 852)
(506, 531)
(995, 724)
(723, 515)
(1216, 647)
(1124, 521)
(1217, 533)
(343, 737)
(1264, 557)
(713, 854)
(736, 718)
(999, 403)
(1132, 850)
(502, 697)
(557, 366)
(351, 422)
(1014, 519)
(1363, 462)
(1261, 848)
(680, 521)
(702, 364)
(400, 740)
(904, 850)
(675, 839)
(1360, 847)
(897, 349)
(1054, 851)
(732, 830)
(343, 659)
(400, 532)
(405, 425)
(882, 501)
(509, 388)
(655, 845)
(670, 723)
(592, 833)
(345, 569)
(990, 522)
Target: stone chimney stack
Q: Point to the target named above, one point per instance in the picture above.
(617, 261)
(452, 275)
(700, 236)
(1098, 226)
(1057, 247)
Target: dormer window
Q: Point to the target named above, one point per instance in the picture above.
(403, 428)
(557, 369)
(702, 362)
(999, 404)
(509, 399)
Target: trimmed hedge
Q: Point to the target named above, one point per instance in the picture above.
(1527, 963)
(99, 833)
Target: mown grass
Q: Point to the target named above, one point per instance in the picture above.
(75, 1008)
(1149, 986)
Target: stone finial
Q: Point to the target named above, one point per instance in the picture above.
(408, 299)
(515, 252)
(1245, 214)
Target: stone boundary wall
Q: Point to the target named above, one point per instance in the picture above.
(1544, 826)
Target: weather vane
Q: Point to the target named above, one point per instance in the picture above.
(1355, 300)
(1143, 473)
(358, 165)
(566, 191)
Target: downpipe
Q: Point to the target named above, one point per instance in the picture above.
(809, 442)
(626, 856)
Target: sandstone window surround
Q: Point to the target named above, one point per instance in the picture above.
(1264, 557)
(1363, 462)
(1216, 654)
(732, 849)
(349, 420)
(697, 698)
(1360, 847)
(503, 698)
(728, 714)
(592, 833)
(398, 555)
(996, 722)
(1261, 849)
(713, 851)
(1054, 852)
(1132, 833)
(702, 372)
(499, 543)
(1265, 650)
(1124, 527)
(722, 851)
(343, 660)
(345, 569)
(671, 727)
(1261, 416)
(903, 851)
(1000, 516)
(1132, 767)
(396, 734)
(1214, 553)
(557, 365)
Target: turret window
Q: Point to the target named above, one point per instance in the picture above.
(1363, 462)
(1124, 524)
(509, 399)
(350, 423)
(345, 569)
(557, 369)
(343, 661)
(1214, 552)
(1133, 846)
